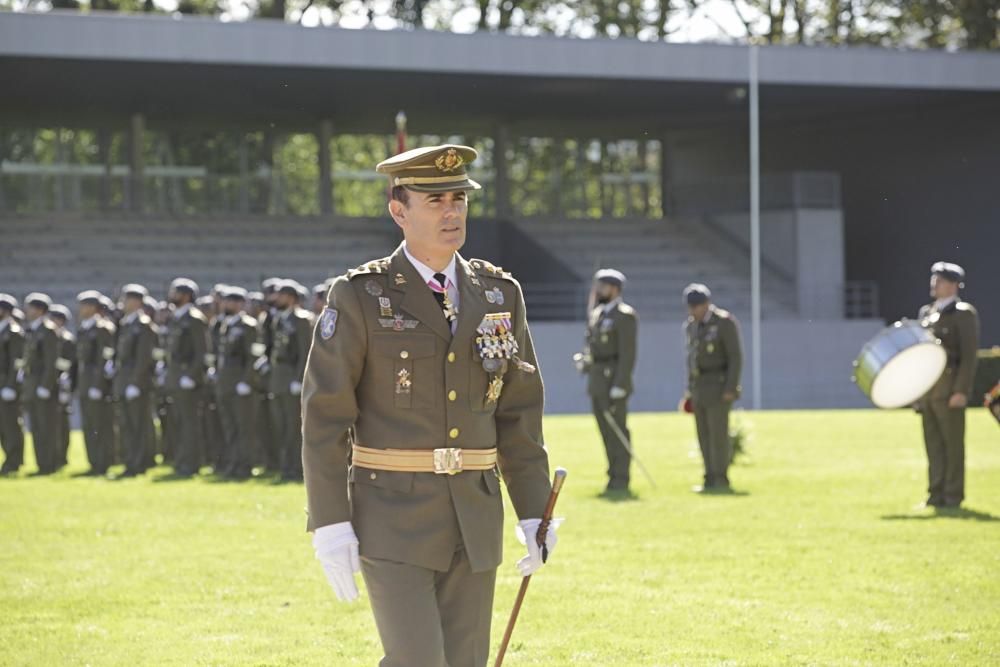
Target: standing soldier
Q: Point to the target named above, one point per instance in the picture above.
(41, 382)
(234, 393)
(956, 324)
(162, 398)
(422, 363)
(265, 453)
(715, 361)
(211, 423)
(67, 367)
(11, 363)
(133, 380)
(609, 361)
(292, 335)
(95, 346)
(186, 349)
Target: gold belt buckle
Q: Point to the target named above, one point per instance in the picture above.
(447, 461)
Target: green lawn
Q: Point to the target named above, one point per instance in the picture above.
(819, 559)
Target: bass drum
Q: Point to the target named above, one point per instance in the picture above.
(899, 365)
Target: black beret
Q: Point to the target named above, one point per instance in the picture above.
(948, 271)
(696, 294)
(38, 300)
(185, 285)
(611, 277)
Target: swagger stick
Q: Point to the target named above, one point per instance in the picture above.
(543, 529)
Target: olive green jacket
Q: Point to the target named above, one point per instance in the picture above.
(715, 358)
(957, 326)
(41, 352)
(234, 358)
(290, 349)
(11, 353)
(187, 345)
(94, 347)
(612, 343)
(403, 381)
(134, 357)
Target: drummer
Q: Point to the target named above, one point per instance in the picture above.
(956, 324)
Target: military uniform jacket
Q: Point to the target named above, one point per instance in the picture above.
(187, 345)
(715, 360)
(41, 352)
(11, 353)
(94, 347)
(290, 349)
(134, 356)
(234, 358)
(957, 326)
(401, 380)
(67, 362)
(612, 343)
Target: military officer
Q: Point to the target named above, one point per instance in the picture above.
(319, 298)
(210, 306)
(133, 379)
(609, 362)
(67, 366)
(11, 363)
(186, 349)
(269, 454)
(95, 346)
(292, 335)
(422, 363)
(163, 400)
(714, 362)
(956, 323)
(41, 382)
(234, 391)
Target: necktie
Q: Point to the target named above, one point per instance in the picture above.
(440, 288)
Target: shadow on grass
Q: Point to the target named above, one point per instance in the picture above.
(967, 514)
(617, 496)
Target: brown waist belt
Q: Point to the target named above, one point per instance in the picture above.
(445, 461)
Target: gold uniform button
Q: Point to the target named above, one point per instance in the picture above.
(404, 355)
(452, 395)
(372, 476)
(453, 433)
(451, 357)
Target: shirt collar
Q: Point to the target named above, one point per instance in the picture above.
(4, 323)
(427, 273)
(611, 305)
(88, 323)
(130, 318)
(182, 311)
(36, 323)
(941, 304)
(233, 319)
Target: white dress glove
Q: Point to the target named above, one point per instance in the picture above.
(187, 383)
(43, 393)
(132, 392)
(243, 389)
(295, 387)
(109, 368)
(95, 394)
(617, 393)
(336, 548)
(8, 394)
(65, 397)
(527, 531)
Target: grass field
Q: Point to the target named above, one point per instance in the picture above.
(818, 559)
